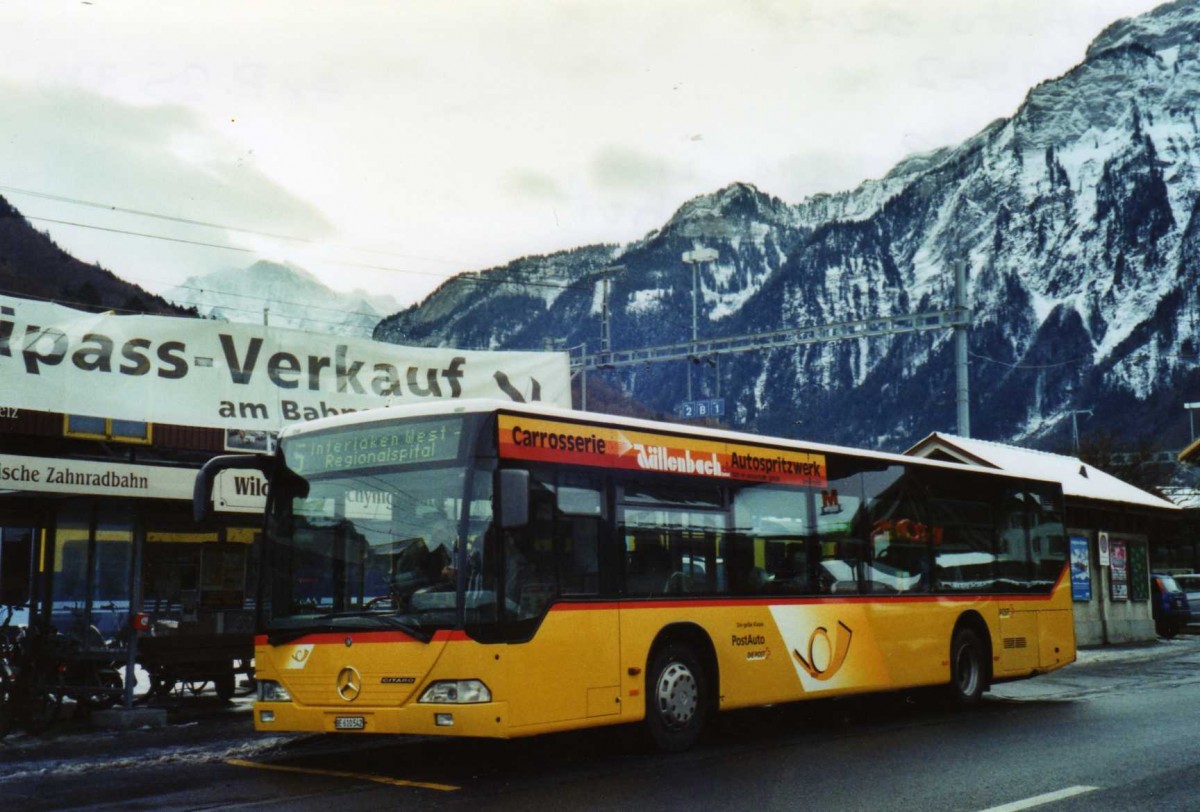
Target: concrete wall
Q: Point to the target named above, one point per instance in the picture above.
(1105, 621)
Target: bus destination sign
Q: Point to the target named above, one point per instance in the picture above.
(377, 446)
(529, 438)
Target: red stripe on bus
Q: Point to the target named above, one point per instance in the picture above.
(717, 602)
(323, 638)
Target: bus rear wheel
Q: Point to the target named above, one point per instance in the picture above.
(676, 697)
(968, 669)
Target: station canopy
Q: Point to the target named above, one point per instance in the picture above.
(1079, 480)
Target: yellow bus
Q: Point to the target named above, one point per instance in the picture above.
(500, 570)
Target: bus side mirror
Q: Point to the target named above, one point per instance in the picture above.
(514, 499)
(202, 490)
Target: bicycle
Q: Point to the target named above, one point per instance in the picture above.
(7, 674)
(86, 658)
(31, 685)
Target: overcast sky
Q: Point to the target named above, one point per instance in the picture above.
(387, 145)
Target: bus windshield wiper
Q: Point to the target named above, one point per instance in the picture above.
(349, 621)
(407, 626)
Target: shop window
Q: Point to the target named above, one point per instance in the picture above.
(92, 557)
(106, 428)
(16, 558)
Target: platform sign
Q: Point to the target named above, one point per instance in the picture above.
(713, 407)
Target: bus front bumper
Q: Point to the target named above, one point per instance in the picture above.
(485, 719)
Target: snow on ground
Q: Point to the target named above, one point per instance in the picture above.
(92, 758)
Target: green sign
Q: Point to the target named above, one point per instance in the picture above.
(373, 446)
(1139, 573)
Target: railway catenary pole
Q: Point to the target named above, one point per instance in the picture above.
(956, 318)
(961, 362)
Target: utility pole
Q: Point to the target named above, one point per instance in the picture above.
(962, 367)
(695, 300)
(583, 379)
(1075, 427)
(605, 313)
(695, 258)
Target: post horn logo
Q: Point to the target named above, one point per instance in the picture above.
(349, 683)
(838, 649)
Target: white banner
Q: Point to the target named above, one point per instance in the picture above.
(48, 475)
(196, 372)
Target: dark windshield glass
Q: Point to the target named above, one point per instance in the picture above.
(361, 542)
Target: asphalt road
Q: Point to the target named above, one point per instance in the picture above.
(1116, 732)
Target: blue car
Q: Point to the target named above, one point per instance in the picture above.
(1190, 584)
(1169, 604)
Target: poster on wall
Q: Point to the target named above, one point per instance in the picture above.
(1139, 570)
(256, 440)
(1081, 570)
(1118, 570)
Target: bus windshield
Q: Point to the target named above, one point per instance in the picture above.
(357, 542)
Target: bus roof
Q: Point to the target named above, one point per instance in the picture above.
(445, 407)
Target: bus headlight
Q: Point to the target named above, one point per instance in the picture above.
(271, 691)
(456, 692)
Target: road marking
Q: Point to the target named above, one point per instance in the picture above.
(1039, 800)
(378, 779)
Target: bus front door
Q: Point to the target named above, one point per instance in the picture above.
(569, 670)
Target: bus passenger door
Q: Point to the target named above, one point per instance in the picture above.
(568, 669)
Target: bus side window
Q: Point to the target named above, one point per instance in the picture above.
(578, 517)
(530, 582)
(647, 563)
(898, 532)
(558, 553)
(774, 529)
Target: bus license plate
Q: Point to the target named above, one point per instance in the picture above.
(349, 723)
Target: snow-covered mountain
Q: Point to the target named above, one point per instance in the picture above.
(291, 296)
(1076, 220)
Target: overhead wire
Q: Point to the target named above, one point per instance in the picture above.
(117, 309)
(466, 277)
(239, 229)
(1027, 366)
(1069, 362)
(190, 221)
(472, 276)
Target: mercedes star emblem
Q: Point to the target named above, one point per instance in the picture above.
(349, 683)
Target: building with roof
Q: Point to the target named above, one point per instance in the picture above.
(1117, 533)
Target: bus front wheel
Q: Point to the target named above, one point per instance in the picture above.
(968, 668)
(676, 697)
